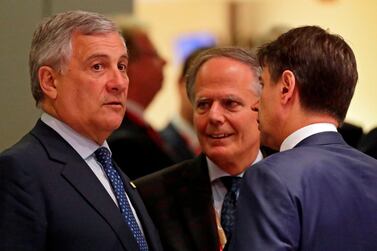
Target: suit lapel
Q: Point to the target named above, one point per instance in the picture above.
(78, 174)
(195, 198)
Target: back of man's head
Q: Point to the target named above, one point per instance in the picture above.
(323, 64)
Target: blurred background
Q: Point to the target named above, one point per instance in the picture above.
(178, 26)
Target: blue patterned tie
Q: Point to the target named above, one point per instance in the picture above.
(103, 157)
(232, 183)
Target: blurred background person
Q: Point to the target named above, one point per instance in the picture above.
(192, 203)
(137, 147)
(180, 133)
(351, 133)
(368, 143)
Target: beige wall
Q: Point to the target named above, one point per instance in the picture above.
(354, 20)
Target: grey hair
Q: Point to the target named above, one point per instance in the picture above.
(239, 54)
(51, 43)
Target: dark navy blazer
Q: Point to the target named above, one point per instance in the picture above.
(179, 200)
(51, 200)
(319, 196)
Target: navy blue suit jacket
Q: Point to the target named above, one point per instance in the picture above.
(319, 196)
(51, 200)
(179, 199)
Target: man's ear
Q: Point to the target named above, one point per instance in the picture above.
(288, 85)
(47, 81)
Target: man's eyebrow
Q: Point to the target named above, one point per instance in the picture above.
(124, 56)
(100, 55)
(231, 97)
(95, 56)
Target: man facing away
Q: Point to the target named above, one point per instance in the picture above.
(59, 189)
(317, 193)
(192, 203)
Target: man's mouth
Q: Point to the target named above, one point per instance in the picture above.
(114, 103)
(218, 136)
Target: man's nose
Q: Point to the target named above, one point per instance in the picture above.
(118, 80)
(216, 113)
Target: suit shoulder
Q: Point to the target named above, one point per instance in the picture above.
(27, 149)
(24, 163)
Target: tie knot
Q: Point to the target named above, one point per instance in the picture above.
(232, 183)
(103, 155)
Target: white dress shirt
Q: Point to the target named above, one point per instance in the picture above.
(304, 132)
(218, 188)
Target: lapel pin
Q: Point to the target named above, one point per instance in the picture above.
(133, 185)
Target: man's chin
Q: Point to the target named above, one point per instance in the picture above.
(218, 154)
(113, 124)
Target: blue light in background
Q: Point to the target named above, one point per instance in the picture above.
(187, 43)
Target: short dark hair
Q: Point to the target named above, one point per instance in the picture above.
(323, 64)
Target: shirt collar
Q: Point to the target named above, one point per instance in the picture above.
(304, 132)
(82, 145)
(216, 172)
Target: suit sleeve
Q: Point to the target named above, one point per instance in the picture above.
(21, 210)
(267, 216)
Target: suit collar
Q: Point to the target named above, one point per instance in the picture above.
(82, 145)
(83, 180)
(304, 132)
(323, 138)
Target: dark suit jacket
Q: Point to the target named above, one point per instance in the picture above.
(179, 200)
(51, 200)
(177, 143)
(135, 151)
(351, 133)
(319, 196)
(368, 144)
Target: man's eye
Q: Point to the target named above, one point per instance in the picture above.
(122, 67)
(230, 103)
(97, 67)
(201, 106)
